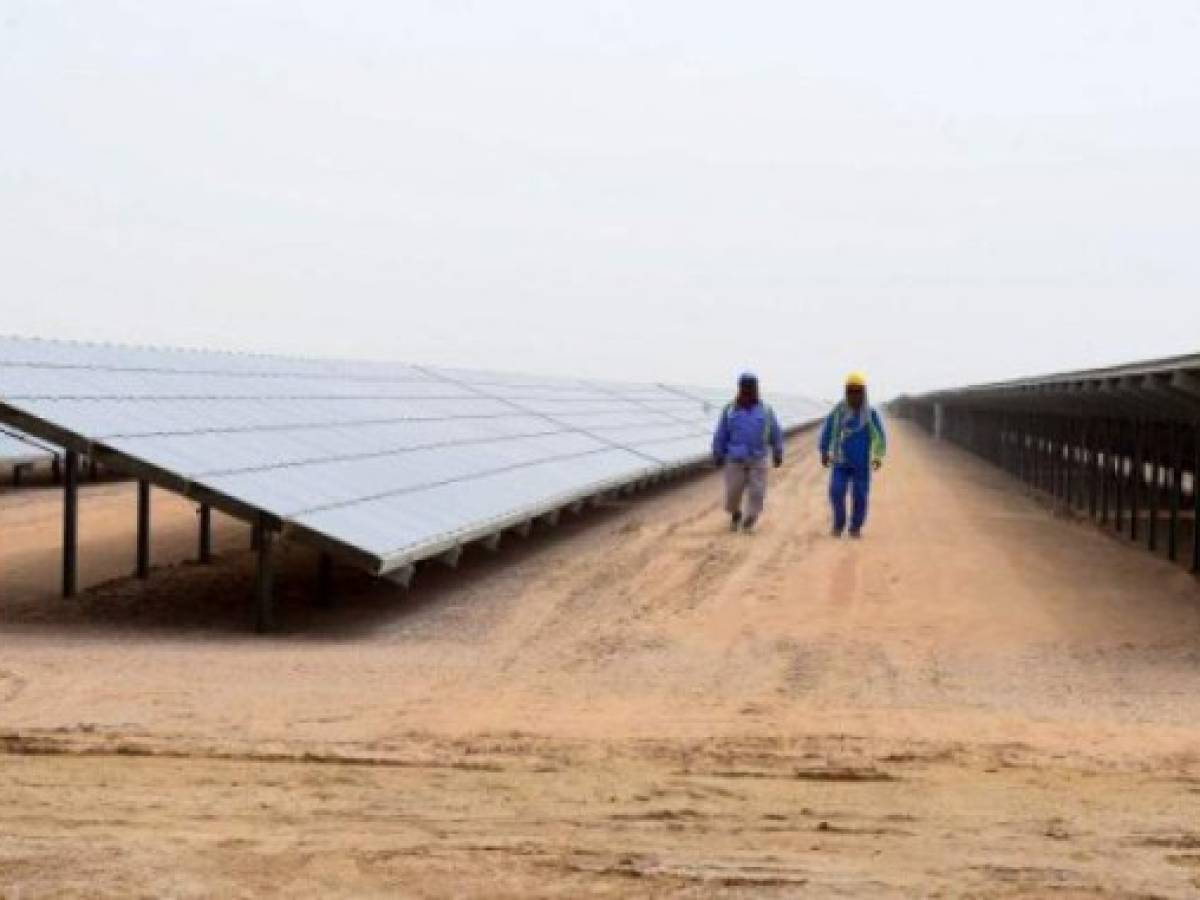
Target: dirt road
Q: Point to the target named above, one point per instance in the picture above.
(979, 699)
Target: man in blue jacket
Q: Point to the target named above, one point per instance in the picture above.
(853, 444)
(746, 432)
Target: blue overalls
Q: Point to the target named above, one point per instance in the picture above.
(852, 445)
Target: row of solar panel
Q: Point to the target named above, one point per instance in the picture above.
(388, 460)
(104, 419)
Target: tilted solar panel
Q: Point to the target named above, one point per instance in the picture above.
(387, 463)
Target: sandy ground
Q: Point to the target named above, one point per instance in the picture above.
(980, 699)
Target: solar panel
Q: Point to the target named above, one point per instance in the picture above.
(387, 462)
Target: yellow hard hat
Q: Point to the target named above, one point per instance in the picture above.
(856, 379)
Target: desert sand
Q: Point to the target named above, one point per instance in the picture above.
(980, 699)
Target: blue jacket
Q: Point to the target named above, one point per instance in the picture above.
(849, 443)
(746, 434)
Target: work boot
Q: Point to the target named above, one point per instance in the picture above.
(749, 524)
(836, 532)
(855, 533)
(735, 521)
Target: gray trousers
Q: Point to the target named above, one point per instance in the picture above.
(742, 478)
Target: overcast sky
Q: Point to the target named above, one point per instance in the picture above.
(935, 191)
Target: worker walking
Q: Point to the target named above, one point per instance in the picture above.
(853, 444)
(746, 432)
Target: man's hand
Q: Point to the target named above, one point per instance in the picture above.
(876, 464)
(778, 460)
(825, 460)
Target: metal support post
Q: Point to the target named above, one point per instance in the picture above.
(1103, 467)
(1022, 468)
(1090, 439)
(1136, 478)
(264, 606)
(70, 546)
(1051, 462)
(1155, 494)
(1196, 498)
(1176, 499)
(143, 529)
(205, 554)
(1069, 485)
(1035, 457)
(1119, 476)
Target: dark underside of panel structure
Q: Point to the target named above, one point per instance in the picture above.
(1119, 445)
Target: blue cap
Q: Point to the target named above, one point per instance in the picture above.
(747, 378)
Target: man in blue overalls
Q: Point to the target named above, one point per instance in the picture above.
(746, 432)
(853, 444)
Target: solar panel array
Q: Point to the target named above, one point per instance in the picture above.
(388, 462)
(20, 449)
